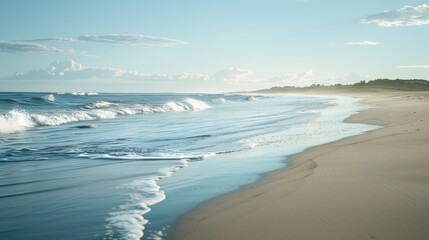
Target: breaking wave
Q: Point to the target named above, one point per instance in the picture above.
(18, 120)
(98, 104)
(15, 121)
(49, 98)
(219, 100)
(78, 93)
(147, 156)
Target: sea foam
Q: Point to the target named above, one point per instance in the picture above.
(219, 100)
(49, 98)
(18, 120)
(138, 155)
(99, 104)
(15, 121)
(128, 221)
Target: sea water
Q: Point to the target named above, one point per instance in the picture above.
(129, 166)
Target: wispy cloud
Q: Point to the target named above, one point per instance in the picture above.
(26, 47)
(363, 43)
(38, 45)
(72, 70)
(350, 78)
(231, 74)
(57, 39)
(406, 16)
(122, 39)
(131, 39)
(415, 66)
(296, 79)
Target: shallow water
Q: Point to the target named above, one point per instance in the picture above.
(127, 166)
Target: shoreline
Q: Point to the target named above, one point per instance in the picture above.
(346, 189)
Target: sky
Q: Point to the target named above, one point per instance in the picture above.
(208, 46)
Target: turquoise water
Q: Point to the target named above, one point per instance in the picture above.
(128, 166)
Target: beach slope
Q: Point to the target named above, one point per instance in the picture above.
(371, 186)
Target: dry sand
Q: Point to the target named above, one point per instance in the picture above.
(371, 186)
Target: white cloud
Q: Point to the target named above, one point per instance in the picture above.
(231, 74)
(34, 46)
(131, 39)
(350, 78)
(415, 66)
(406, 16)
(26, 47)
(71, 70)
(58, 39)
(363, 43)
(67, 70)
(297, 79)
(122, 39)
(134, 75)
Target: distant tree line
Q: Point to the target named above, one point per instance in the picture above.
(387, 84)
(399, 84)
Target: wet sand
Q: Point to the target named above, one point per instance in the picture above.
(371, 186)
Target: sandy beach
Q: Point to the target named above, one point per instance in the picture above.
(371, 186)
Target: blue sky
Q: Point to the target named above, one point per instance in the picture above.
(208, 46)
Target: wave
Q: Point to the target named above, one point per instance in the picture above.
(219, 100)
(128, 222)
(154, 156)
(188, 104)
(78, 93)
(9, 101)
(98, 104)
(15, 121)
(118, 154)
(18, 120)
(49, 98)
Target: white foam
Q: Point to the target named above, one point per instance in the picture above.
(93, 111)
(188, 104)
(82, 93)
(196, 105)
(49, 97)
(102, 114)
(77, 93)
(128, 221)
(147, 156)
(55, 119)
(15, 121)
(156, 235)
(99, 104)
(219, 100)
(174, 107)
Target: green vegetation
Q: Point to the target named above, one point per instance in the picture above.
(377, 85)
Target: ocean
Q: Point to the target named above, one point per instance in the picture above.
(129, 166)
